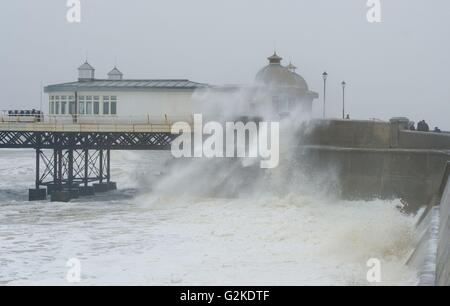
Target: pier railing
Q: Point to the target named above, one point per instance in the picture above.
(73, 151)
(88, 123)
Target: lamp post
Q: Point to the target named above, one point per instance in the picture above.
(324, 76)
(343, 99)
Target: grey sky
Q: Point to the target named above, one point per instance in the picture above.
(397, 68)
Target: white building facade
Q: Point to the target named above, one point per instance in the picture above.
(277, 89)
(116, 97)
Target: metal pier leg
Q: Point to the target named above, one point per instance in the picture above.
(102, 187)
(86, 167)
(70, 169)
(86, 190)
(108, 166)
(55, 167)
(111, 185)
(61, 194)
(54, 185)
(60, 168)
(101, 166)
(38, 175)
(37, 194)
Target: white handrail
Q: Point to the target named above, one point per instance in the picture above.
(84, 119)
(89, 123)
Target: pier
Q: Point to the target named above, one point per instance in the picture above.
(373, 159)
(73, 155)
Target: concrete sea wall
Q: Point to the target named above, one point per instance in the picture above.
(443, 249)
(423, 140)
(347, 133)
(431, 257)
(372, 134)
(374, 159)
(357, 173)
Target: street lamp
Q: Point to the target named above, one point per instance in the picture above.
(324, 76)
(343, 99)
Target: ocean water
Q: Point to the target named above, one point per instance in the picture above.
(140, 236)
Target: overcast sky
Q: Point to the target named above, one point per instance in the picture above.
(399, 67)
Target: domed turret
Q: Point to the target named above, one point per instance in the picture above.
(277, 75)
(275, 59)
(291, 67)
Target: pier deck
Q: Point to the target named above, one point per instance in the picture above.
(73, 154)
(88, 132)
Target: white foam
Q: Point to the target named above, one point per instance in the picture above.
(156, 239)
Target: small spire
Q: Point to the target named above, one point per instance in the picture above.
(274, 59)
(291, 67)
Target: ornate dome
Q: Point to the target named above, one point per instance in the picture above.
(275, 74)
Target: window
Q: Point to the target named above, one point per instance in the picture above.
(63, 107)
(96, 107)
(56, 105)
(72, 105)
(105, 105)
(52, 105)
(113, 105)
(81, 99)
(88, 102)
(89, 105)
(63, 104)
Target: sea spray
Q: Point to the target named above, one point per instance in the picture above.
(141, 236)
